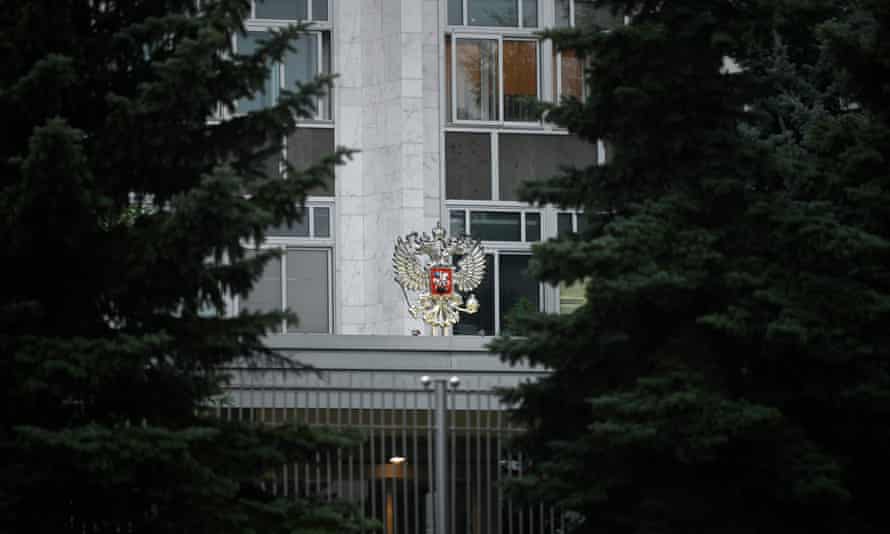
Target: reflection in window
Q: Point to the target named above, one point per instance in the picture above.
(532, 226)
(481, 322)
(266, 293)
(476, 79)
(570, 72)
(492, 13)
(268, 95)
(305, 289)
(515, 284)
(457, 222)
(281, 9)
(520, 80)
(299, 65)
(588, 14)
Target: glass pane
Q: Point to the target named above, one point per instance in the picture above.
(529, 13)
(532, 226)
(322, 222)
(468, 166)
(515, 284)
(563, 13)
(281, 9)
(296, 229)
(583, 223)
(457, 224)
(455, 12)
(305, 147)
(563, 224)
(493, 12)
(571, 297)
(266, 293)
(319, 9)
(534, 157)
(520, 80)
(301, 65)
(268, 95)
(496, 225)
(481, 322)
(571, 75)
(307, 290)
(587, 14)
(324, 112)
(477, 79)
(448, 116)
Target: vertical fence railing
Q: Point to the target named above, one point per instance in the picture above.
(397, 423)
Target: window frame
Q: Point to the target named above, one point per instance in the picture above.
(499, 37)
(285, 243)
(469, 206)
(318, 31)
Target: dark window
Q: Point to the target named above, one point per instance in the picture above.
(468, 166)
(266, 293)
(457, 225)
(532, 226)
(587, 14)
(322, 222)
(307, 290)
(496, 225)
(282, 9)
(516, 285)
(481, 322)
(306, 146)
(564, 223)
(530, 156)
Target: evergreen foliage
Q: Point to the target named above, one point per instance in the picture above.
(730, 370)
(124, 212)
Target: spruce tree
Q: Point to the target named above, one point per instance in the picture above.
(125, 213)
(730, 370)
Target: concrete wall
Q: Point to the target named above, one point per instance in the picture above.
(386, 105)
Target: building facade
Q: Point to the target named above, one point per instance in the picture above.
(437, 97)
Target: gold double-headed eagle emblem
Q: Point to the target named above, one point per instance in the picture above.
(436, 277)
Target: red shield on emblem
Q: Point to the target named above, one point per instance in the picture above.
(441, 281)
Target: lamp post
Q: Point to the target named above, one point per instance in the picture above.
(441, 458)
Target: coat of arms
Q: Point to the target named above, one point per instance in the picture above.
(437, 278)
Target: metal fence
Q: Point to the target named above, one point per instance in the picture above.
(395, 413)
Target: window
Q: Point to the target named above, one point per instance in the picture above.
(305, 147)
(499, 13)
(492, 78)
(291, 9)
(584, 13)
(568, 75)
(518, 225)
(471, 173)
(505, 285)
(310, 58)
(300, 281)
(316, 223)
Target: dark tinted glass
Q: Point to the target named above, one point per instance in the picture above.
(496, 225)
(516, 285)
(481, 322)
(297, 229)
(532, 226)
(281, 9)
(529, 156)
(563, 223)
(306, 146)
(468, 166)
